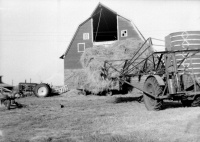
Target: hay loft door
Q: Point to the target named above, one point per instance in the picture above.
(104, 25)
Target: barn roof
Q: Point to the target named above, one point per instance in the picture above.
(98, 9)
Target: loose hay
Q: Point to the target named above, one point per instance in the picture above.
(93, 76)
(76, 78)
(70, 93)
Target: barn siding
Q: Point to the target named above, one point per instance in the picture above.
(72, 59)
(124, 24)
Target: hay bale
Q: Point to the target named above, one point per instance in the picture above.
(93, 60)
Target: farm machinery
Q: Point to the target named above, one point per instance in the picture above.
(40, 90)
(173, 74)
(7, 97)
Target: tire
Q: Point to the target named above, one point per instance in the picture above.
(42, 90)
(151, 86)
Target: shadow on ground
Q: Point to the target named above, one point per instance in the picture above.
(128, 99)
(166, 104)
(171, 104)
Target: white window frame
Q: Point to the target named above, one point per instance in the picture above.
(86, 36)
(79, 47)
(126, 33)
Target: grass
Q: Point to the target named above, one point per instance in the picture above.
(97, 119)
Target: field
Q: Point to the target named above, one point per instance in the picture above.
(76, 118)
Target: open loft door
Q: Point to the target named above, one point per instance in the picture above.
(104, 25)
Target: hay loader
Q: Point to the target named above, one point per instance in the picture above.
(173, 74)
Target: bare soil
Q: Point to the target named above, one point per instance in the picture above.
(76, 118)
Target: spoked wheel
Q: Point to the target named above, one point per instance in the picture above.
(42, 90)
(152, 87)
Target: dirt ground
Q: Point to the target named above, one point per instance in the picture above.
(76, 118)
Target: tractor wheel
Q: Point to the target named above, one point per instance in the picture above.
(7, 104)
(151, 86)
(42, 90)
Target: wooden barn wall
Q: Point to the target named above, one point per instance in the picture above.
(124, 24)
(72, 58)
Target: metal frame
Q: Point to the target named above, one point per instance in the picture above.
(157, 63)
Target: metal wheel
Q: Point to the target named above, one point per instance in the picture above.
(152, 87)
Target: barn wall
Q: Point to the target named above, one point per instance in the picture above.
(72, 58)
(124, 24)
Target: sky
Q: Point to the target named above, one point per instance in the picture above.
(35, 33)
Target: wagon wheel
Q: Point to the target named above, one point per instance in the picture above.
(152, 87)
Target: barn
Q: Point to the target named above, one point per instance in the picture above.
(104, 26)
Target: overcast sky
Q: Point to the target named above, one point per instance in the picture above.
(35, 33)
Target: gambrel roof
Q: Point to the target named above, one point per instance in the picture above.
(106, 11)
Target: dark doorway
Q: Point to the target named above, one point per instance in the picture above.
(104, 25)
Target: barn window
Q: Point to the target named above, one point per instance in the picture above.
(104, 25)
(124, 33)
(86, 36)
(81, 47)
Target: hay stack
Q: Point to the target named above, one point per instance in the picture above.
(75, 78)
(93, 59)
